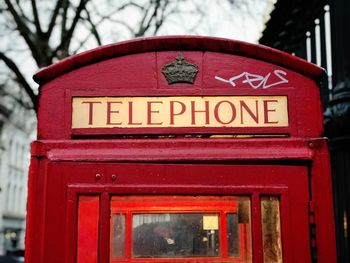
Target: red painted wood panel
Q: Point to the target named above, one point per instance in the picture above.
(198, 179)
(88, 225)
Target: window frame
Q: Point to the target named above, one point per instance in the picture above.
(222, 205)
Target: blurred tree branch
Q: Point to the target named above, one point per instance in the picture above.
(52, 30)
(20, 78)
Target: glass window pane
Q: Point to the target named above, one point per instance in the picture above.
(232, 235)
(239, 231)
(271, 229)
(175, 235)
(118, 235)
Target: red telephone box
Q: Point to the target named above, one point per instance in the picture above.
(180, 149)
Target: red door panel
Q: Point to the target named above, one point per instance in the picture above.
(288, 183)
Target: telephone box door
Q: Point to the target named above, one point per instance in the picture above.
(191, 213)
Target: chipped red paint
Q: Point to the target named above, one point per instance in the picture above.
(290, 162)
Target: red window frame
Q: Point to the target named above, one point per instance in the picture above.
(130, 205)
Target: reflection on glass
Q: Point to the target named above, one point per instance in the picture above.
(175, 235)
(232, 234)
(271, 229)
(118, 237)
(239, 232)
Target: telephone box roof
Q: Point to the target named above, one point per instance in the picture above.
(183, 43)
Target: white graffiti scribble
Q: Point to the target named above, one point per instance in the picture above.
(257, 81)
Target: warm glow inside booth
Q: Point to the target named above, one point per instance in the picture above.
(180, 149)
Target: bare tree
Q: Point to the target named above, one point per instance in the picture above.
(37, 33)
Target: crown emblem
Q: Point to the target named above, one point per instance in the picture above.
(180, 71)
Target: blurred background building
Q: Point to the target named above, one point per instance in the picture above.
(319, 31)
(17, 128)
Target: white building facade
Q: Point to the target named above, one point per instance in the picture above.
(17, 130)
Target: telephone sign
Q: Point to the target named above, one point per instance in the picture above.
(148, 112)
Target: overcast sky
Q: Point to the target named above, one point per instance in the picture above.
(220, 19)
(243, 21)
